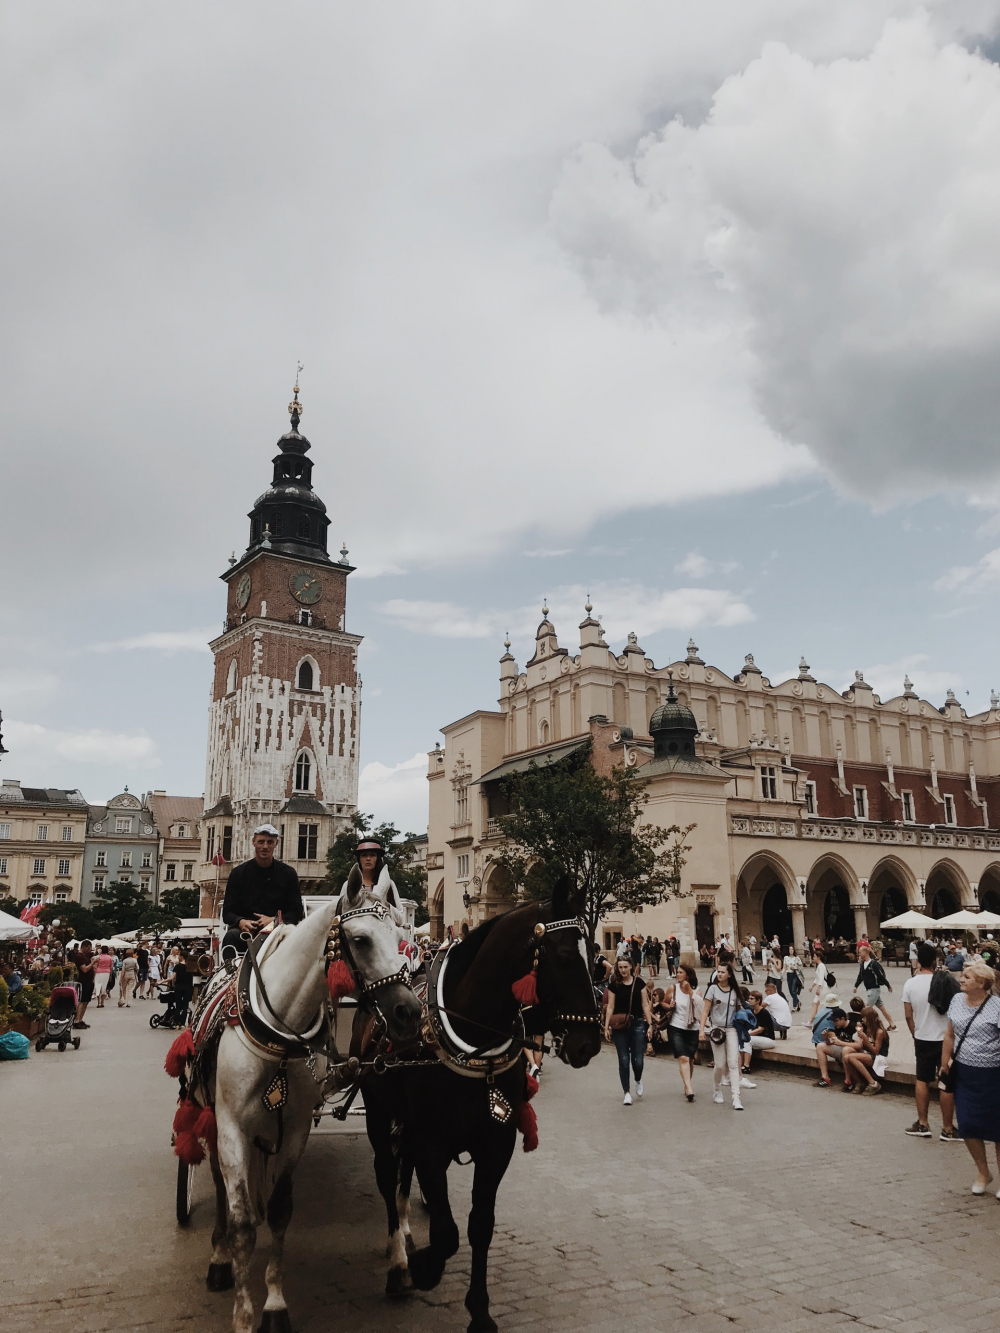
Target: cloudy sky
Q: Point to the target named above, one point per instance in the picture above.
(695, 308)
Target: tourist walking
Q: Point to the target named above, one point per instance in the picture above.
(626, 1016)
(871, 979)
(85, 963)
(127, 978)
(684, 1001)
(794, 977)
(970, 1065)
(822, 982)
(104, 970)
(746, 962)
(776, 970)
(722, 1002)
(927, 1027)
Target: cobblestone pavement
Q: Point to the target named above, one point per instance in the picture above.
(809, 1211)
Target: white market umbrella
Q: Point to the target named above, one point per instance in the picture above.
(966, 920)
(421, 932)
(909, 921)
(12, 929)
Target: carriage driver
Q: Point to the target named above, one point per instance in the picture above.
(258, 890)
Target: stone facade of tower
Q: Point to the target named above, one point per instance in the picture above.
(285, 711)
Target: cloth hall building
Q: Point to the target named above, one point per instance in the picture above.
(816, 811)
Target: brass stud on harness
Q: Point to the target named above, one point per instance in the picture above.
(540, 929)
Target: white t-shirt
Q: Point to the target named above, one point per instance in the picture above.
(725, 1005)
(746, 957)
(688, 1009)
(928, 1024)
(780, 1011)
(913, 950)
(819, 980)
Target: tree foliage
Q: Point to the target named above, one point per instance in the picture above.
(122, 906)
(75, 921)
(410, 879)
(566, 818)
(183, 901)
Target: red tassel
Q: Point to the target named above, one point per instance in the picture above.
(188, 1149)
(532, 1086)
(339, 979)
(527, 1123)
(186, 1116)
(179, 1054)
(206, 1128)
(525, 991)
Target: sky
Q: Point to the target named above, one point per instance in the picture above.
(693, 309)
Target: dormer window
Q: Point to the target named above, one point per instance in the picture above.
(303, 772)
(768, 784)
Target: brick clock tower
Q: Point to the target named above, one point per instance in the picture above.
(284, 721)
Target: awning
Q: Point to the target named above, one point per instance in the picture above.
(909, 921)
(12, 929)
(550, 755)
(966, 920)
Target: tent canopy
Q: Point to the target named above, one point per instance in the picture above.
(909, 921)
(12, 929)
(966, 920)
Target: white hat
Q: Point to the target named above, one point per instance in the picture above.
(831, 999)
(269, 829)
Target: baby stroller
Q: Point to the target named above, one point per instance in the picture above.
(176, 1012)
(59, 1021)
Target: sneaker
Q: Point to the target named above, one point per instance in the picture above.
(822, 1083)
(638, 1089)
(746, 1082)
(948, 1136)
(919, 1131)
(725, 1081)
(872, 1090)
(718, 1097)
(628, 1099)
(737, 1104)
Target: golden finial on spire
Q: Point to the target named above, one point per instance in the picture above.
(295, 407)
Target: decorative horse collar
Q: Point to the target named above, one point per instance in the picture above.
(448, 1046)
(281, 1042)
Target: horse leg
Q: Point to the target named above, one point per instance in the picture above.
(279, 1214)
(403, 1199)
(220, 1270)
(427, 1264)
(242, 1239)
(489, 1172)
(397, 1282)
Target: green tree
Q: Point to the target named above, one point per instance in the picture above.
(410, 879)
(75, 918)
(11, 906)
(566, 818)
(182, 902)
(120, 906)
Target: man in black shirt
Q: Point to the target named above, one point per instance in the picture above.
(258, 890)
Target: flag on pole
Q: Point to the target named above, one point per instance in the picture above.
(218, 859)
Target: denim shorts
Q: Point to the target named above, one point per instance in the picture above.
(875, 997)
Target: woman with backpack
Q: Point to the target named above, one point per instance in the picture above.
(626, 1017)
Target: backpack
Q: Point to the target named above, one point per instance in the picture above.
(942, 991)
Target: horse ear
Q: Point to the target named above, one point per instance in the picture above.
(383, 889)
(355, 883)
(561, 894)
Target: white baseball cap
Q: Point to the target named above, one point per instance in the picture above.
(269, 829)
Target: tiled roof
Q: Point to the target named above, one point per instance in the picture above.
(169, 810)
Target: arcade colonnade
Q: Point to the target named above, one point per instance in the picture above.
(831, 897)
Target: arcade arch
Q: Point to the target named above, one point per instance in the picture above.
(765, 892)
(833, 891)
(498, 892)
(989, 889)
(947, 890)
(892, 888)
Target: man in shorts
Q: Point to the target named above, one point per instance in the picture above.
(871, 979)
(928, 1028)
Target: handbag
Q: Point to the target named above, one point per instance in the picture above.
(716, 1034)
(948, 1082)
(620, 1022)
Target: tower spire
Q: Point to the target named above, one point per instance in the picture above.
(295, 407)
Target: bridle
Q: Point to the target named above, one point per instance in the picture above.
(338, 948)
(542, 931)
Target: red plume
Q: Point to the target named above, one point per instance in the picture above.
(527, 1123)
(188, 1149)
(531, 1084)
(339, 979)
(179, 1054)
(205, 1128)
(525, 990)
(186, 1116)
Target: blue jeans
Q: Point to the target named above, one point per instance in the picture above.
(630, 1044)
(794, 988)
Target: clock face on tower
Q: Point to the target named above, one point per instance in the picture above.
(305, 586)
(243, 591)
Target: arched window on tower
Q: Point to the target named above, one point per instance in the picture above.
(303, 772)
(305, 680)
(304, 525)
(232, 678)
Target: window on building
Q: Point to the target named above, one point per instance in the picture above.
(67, 833)
(63, 866)
(4, 830)
(768, 784)
(305, 676)
(35, 896)
(171, 870)
(123, 826)
(99, 882)
(188, 870)
(227, 841)
(101, 859)
(908, 806)
(463, 865)
(303, 525)
(308, 835)
(38, 866)
(232, 677)
(61, 896)
(303, 772)
(182, 830)
(949, 809)
(305, 618)
(43, 832)
(210, 844)
(126, 860)
(3, 865)
(860, 802)
(461, 804)
(147, 860)
(810, 798)
(146, 883)
(125, 879)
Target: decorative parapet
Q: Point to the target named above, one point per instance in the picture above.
(818, 830)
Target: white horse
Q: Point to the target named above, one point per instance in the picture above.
(258, 1148)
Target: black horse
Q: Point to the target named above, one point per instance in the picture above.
(425, 1116)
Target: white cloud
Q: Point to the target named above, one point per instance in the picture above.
(547, 555)
(971, 578)
(164, 641)
(40, 747)
(832, 223)
(397, 793)
(623, 605)
(14, 683)
(886, 678)
(697, 566)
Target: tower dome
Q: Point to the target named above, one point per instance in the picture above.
(673, 728)
(290, 517)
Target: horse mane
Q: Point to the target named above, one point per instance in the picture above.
(464, 954)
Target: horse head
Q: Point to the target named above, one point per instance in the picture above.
(369, 935)
(565, 978)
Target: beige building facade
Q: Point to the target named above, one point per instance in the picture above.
(43, 832)
(817, 811)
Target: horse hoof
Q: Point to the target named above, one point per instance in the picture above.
(425, 1269)
(220, 1277)
(410, 1247)
(275, 1321)
(397, 1282)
